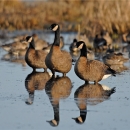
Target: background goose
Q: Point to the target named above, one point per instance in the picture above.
(58, 60)
(57, 88)
(114, 58)
(39, 43)
(92, 70)
(99, 43)
(35, 58)
(15, 46)
(90, 94)
(35, 81)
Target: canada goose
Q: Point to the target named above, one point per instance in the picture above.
(57, 88)
(114, 58)
(92, 70)
(35, 81)
(90, 94)
(15, 46)
(35, 58)
(58, 60)
(39, 43)
(99, 43)
(72, 47)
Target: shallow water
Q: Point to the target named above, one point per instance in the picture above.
(112, 113)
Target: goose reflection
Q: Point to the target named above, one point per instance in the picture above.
(14, 59)
(90, 94)
(35, 81)
(57, 88)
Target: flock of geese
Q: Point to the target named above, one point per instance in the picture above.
(41, 55)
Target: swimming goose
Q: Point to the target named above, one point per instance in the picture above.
(90, 70)
(35, 81)
(15, 46)
(35, 58)
(56, 89)
(58, 60)
(91, 94)
(99, 44)
(114, 59)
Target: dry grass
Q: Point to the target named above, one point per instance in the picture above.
(92, 15)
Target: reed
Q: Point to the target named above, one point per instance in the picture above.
(92, 15)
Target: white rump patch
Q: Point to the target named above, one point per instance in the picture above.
(55, 28)
(81, 46)
(106, 76)
(30, 39)
(105, 87)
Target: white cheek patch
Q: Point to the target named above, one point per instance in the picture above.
(54, 122)
(55, 28)
(81, 46)
(30, 39)
(80, 119)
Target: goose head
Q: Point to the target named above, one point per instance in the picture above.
(54, 27)
(30, 40)
(80, 44)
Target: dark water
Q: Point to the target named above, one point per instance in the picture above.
(57, 99)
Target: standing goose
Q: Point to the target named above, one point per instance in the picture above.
(35, 58)
(90, 70)
(58, 60)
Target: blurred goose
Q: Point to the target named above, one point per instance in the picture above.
(99, 43)
(35, 58)
(56, 89)
(19, 38)
(35, 81)
(15, 46)
(90, 94)
(92, 70)
(72, 47)
(58, 60)
(39, 43)
(114, 58)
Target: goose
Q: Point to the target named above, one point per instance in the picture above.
(57, 88)
(35, 81)
(58, 60)
(91, 94)
(39, 43)
(35, 58)
(15, 46)
(99, 43)
(90, 70)
(114, 59)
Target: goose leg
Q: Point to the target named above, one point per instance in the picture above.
(64, 74)
(45, 69)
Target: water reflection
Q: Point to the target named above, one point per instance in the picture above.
(57, 88)
(88, 94)
(35, 81)
(14, 59)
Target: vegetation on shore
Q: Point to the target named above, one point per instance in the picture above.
(92, 15)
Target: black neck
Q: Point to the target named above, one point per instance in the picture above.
(57, 37)
(30, 45)
(83, 114)
(56, 112)
(83, 51)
